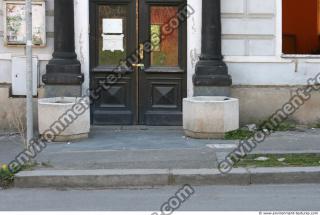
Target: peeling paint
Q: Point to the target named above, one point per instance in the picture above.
(194, 29)
(194, 57)
(81, 43)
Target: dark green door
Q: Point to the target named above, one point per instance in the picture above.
(138, 54)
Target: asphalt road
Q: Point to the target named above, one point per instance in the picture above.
(217, 198)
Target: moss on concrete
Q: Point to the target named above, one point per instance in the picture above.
(238, 135)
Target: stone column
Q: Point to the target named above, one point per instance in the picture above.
(63, 75)
(211, 76)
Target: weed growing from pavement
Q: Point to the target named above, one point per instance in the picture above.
(239, 134)
(285, 126)
(280, 160)
(317, 125)
(244, 133)
(7, 176)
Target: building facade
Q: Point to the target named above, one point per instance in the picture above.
(77, 46)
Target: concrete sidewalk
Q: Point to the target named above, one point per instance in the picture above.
(137, 138)
(138, 147)
(165, 149)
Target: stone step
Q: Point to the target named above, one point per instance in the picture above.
(183, 158)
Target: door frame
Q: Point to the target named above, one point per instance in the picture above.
(107, 71)
(82, 43)
(175, 75)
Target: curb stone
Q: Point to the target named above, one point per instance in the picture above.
(162, 177)
(291, 175)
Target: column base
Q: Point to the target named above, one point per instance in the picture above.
(203, 135)
(65, 70)
(212, 73)
(211, 91)
(62, 91)
(59, 73)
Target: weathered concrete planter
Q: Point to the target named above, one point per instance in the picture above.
(66, 118)
(208, 117)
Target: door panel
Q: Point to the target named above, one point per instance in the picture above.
(149, 95)
(117, 103)
(162, 83)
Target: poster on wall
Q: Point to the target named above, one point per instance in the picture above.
(112, 35)
(15, 27)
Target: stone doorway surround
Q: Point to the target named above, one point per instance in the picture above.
(193, 31)
(150, 88)
(69, 68)
(81, 13)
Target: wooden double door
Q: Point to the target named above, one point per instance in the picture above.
(138, 54)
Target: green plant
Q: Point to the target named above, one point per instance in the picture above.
(239, 134)
(317, 125)
(283, 126)
(6, 177)
(29, 166)
(280, 160)
(286, 126)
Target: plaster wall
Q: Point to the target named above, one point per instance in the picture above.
(263, 77)
(43, 54)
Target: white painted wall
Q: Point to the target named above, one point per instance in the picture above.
(248, 27)
(42, 53)
(251, 44)
(194, 41)
(82, 39)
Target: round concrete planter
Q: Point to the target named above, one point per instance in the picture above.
(67, 118)
(210, 117)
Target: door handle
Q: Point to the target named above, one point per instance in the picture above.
(141, 51)
(138, 65)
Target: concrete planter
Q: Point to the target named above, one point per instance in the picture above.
(66, 118)
(207, 117)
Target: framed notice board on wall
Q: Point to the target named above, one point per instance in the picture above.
(15, 24)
